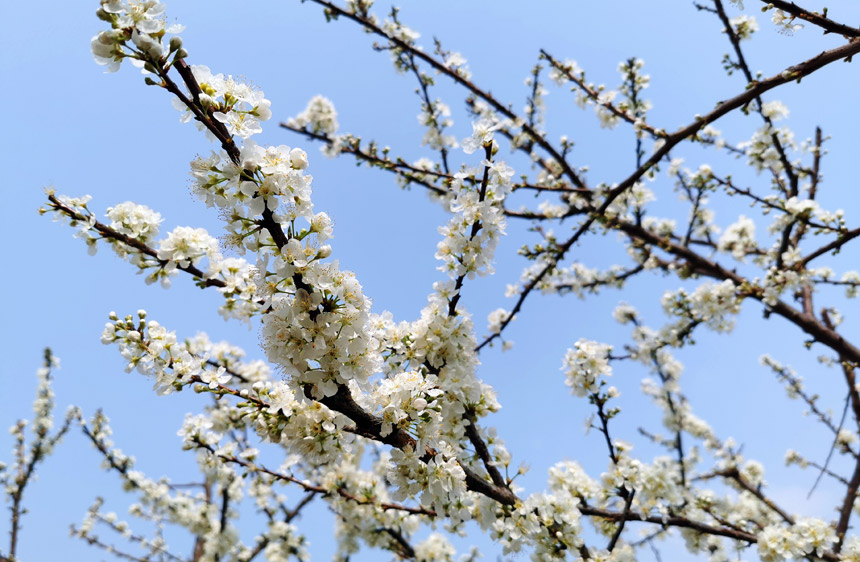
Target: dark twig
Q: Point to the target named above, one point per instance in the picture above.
(828, 25)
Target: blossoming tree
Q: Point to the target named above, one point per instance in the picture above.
(389, 421)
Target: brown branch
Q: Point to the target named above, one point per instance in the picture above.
(612, 278)
(843, 239)
(813, 187)
(411, 173)
(594, 95)
(94, 541)
(200, 113)
(408, 171)
(40, 447)
(735, 475)
(783, 157)
(670, 521)
(621, 521)
(442, 69)
(791, 73)
(484, 453)
(732, 189)
(225, 508)
(684, 523)
(476, 227)
(404, 549)
(293, 513)
(370, 426)
(828, 25)
(847, 507)
(676, 414)
(219, 130)
(796, 387)
(428, 104)
(109, 233)
(704, 266)
(139, 539)
(823, 469)
(315, 489)
(848, 366)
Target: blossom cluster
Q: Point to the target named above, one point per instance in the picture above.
(405, 398)
(714, 304)
(744, 26)
(804, 538)
(805, 210)
(472, 234)
(586, 366)
(152, 350)
(14, 477)
(360, 521)
(160, 501)
(739, 238)
(608, 111)
(237, 105)
(141, 23)
(318, 117)
(761, 150)
(436, 117)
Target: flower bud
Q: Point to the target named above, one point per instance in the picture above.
(207, 101)
(324, 252)
(104, 16)
(298, 159)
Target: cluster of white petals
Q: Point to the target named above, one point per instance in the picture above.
(713, 304)
(585, 367)
(186, 246)
(237, 105)
(141, 23)
(136, 221)
(739, 238)
(785, 23)
(744, 26)
(466, 249)
(318, 117)
(807, 537)
(15, 476)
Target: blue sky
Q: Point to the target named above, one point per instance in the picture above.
(74, 128)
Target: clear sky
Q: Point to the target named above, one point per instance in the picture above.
(74, 128)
